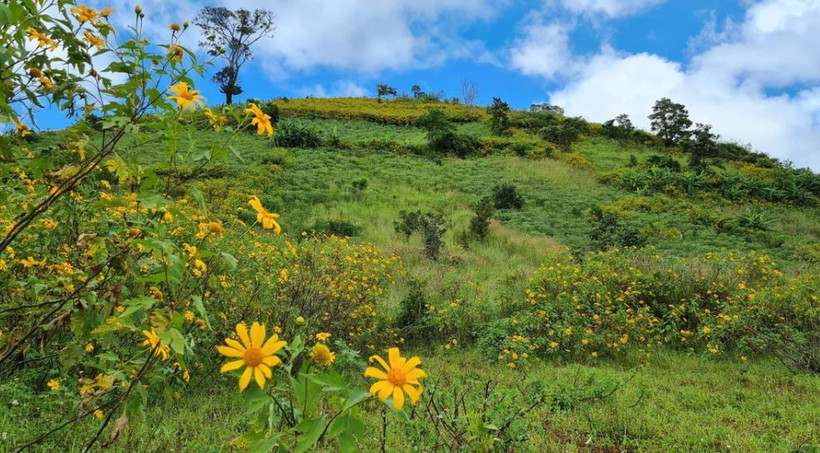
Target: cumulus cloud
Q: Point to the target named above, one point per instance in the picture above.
(340, 88)
(756, 84)
(543, 50)
(609, 8)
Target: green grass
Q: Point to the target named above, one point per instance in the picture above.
(676, 403)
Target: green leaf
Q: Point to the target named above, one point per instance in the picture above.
(348, 429)
(200, 308)
(311, 430)
(230, 260)
(174, 339)
(196, 194)
(132, 306)
(356, 397)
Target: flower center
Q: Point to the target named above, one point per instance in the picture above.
(397, 377)
(253, 357)
(188, 95)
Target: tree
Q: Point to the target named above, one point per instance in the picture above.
(544, 107)
(499, 116)
(619, 128)
(231, 34)
(670, 121)
(384, 89)
(701, 144)
(417, 92)
(469, 92)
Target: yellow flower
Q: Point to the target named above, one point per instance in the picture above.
(175, 53)
(22, 129)
(34, 72)
(153, 341)
(400, 377)
(46, 82)
(84, 13)
(94, 40)
(321, 355)
(185, 98)
(322, 336)
(106, 12)
(31, 262)
(42, 38)
(217, 121)
(89, 347)
(175, 27)
(256, 354)
(261, 120)
(53, 384)
(189, 315)
(265, 217)
(50, 224)
(98, 414)
(706, 330)
(199, 268)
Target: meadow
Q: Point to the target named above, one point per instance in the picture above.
(182, 278)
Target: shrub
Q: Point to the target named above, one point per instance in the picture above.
(296, 134)
(429, 225)
(608, 231)
(665, 161)
(412, 319)
(480, 223)
(499, 113)
(340, 228)
(562, 135)
(506, 196)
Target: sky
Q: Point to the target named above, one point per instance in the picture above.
(750, 68)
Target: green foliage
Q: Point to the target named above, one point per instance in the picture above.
(619, 128)
(341, 228)
(296, 134)
(430, 225)
(670, 121)
(608, 230)
(412, 320)
(479, 226)
(506, 196)
(499, 113)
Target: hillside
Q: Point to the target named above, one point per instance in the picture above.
(592, 292)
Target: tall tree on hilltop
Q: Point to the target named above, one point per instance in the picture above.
(231, 34)
(670, 121)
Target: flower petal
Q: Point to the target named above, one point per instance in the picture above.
(375, 373)
(271, 361)
(396, 360)
(383, 388)
(381, 361)
(412, 392)
(230, 366)
(415, 373)
(242, 331)
(273, 345)
(260, 378)
(410, 364)
(257, 335)
(235, 344)
(265, 370)
(245, 379)
(398, 398)
(230, 352)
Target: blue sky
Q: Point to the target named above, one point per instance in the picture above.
(751, 68)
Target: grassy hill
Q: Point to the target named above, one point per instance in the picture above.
(628, 304)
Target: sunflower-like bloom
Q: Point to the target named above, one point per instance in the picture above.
(185, 98)
(399, 377)
(322, 355)
(94, 40)
(152, 341)
(84, 13)
(42, 38)
(261, 120)
(106, 12)
(256, 354)
(265, 217)
(322, 336)
(175, 52)
(22, 129)
(217, 121)
(46, 82)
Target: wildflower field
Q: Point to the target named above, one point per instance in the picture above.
(318, 275)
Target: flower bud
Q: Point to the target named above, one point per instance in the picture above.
(138, 9)
(34, 72)
(175, 27)
(300, 321)
(185, 24)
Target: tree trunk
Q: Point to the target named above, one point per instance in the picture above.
(228, 98)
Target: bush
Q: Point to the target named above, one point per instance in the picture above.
(340, 228)
(296, 134)
(665, 161)
(412, 319)
(506, 196)
(499, 116)
(480, 223)
(562, 135)
(430, 225)
(609, 231)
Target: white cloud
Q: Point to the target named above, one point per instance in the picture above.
(340, 88)
(543, 50)
(609, 8)
(757, 84)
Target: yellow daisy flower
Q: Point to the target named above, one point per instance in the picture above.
(261, 120)
(94, 40)
(42, 38)
(84, 13)
(322, 355)
(321, 336)
(265, 217)
(256, 354)
(185, 98)
(399, 377)
(153, 341)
